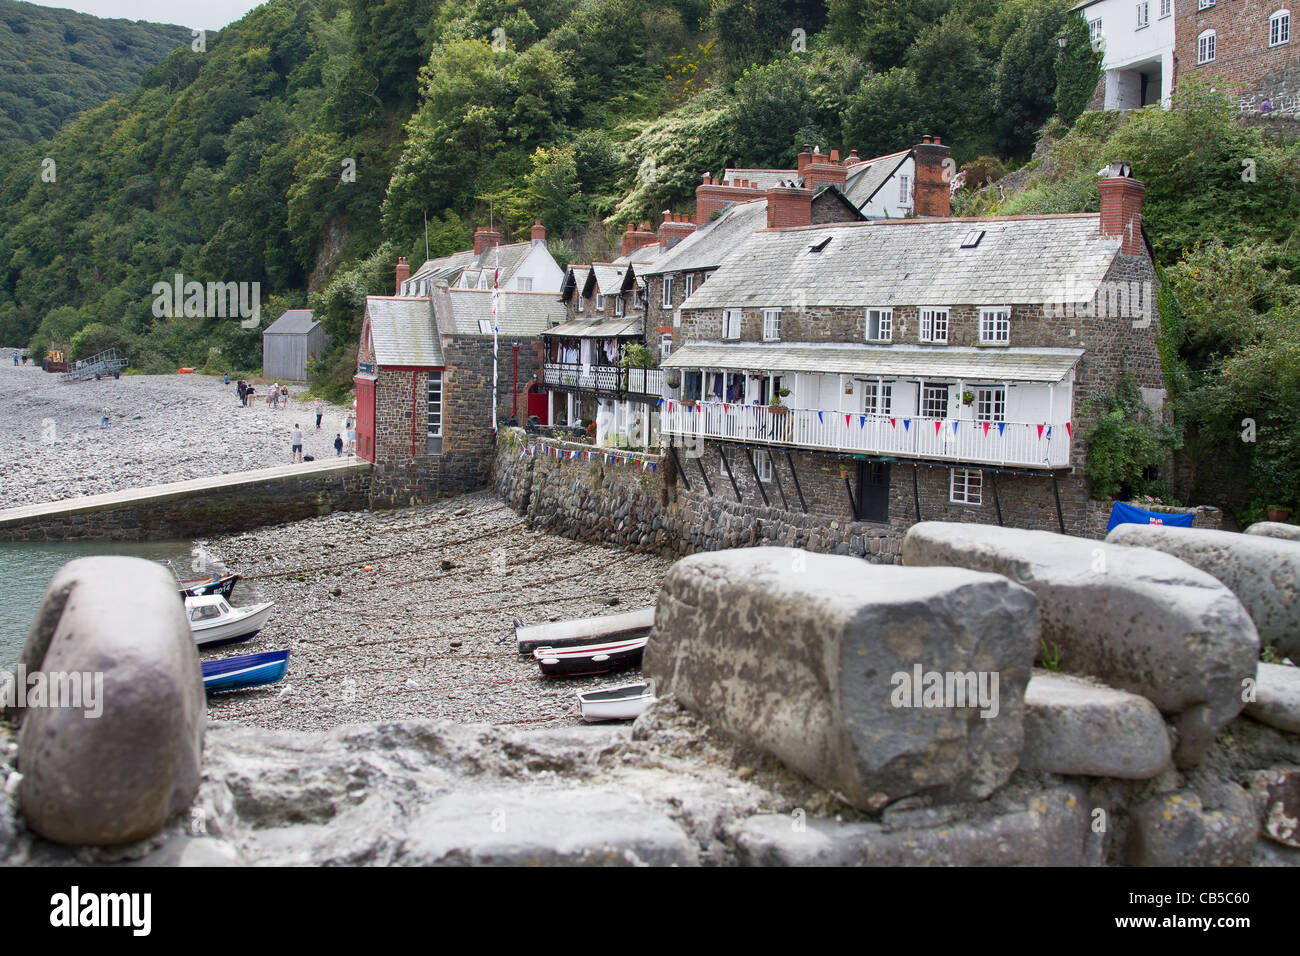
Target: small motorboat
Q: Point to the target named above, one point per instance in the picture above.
(217, 584)
(615, 703)
(214, 622)
(585, 630)
(590, 658)
(244, 671)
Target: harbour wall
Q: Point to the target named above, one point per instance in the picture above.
(198, 507)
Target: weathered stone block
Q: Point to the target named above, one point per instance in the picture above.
(813, 658)
(1277, 697)
(1277, 800)
(1137, 618)
(1264, 572)
(1047, 829)
(1075, 726)
(1275, 529)
(115, 777)
(1188, 829)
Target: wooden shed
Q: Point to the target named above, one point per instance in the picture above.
(288, 343)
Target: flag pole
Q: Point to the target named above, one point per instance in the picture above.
(496, 293)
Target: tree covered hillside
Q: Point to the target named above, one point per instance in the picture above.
(57, 63)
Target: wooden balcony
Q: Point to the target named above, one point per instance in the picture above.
(1019, 444)
(609, 380)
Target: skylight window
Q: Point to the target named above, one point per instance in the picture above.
(820, 244)
(972, 239)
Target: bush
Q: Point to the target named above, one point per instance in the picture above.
(1124, 446)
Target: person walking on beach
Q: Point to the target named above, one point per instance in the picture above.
(284, 395)
(227, 380)
(103, 418)
(338, 444)
(320, 412)
(296, 439)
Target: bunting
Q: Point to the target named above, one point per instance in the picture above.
(907, 424)
(937, 426)
(1040, 432)
(1002, 426)
(986, 429)
(954, 427)
(862, 421)
(893, 423)
(819, 416)
(1068, 430)
(848, 420)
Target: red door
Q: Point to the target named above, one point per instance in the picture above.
(537, 406)
(365, 423)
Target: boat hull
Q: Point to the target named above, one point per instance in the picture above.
(232, 630)
(200, 588)
(588, 630)
(244, 671)
(617, 703)
(590, 659)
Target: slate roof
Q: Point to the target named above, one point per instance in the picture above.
(459, 311)
(292, 322)
(449, 268)
(597, 330)
(863, 180)
(403, 331)
(1018, 261)
(710, 243)
(906, 361)
(608, 277)
(579, 277)
(642, 256)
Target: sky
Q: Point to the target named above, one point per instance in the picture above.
(204, 14)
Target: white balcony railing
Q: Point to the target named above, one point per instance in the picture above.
(605, 378)
(1014, 443)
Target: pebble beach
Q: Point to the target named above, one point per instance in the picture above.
(162, 428)
(408, 614)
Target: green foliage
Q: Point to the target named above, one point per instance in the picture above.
(1123, 442)
(57, 63)
(1078, 69)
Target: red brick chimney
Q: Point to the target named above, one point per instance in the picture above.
(1121, 208)
(934, 171)
(403, 273)
(636, 238)
(674, 229)
(822, 171)
(853, 159)
(539, 232)
(805, 157)
(485, 238)
(789, 206)
(710, 197)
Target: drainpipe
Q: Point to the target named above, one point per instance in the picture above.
(515, 398)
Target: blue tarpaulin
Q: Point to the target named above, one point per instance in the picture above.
(1127, 514)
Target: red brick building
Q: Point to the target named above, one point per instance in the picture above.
(1243, 46)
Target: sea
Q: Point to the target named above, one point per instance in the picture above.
(26, 568)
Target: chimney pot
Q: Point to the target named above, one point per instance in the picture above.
(835, 156)
(402, 273)
(932, 192)
(538, 231)
(1121, 212)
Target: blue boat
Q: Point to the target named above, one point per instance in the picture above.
(244, 671)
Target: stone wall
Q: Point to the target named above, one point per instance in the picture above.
(197, 508)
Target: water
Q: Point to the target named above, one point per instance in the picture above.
(26, 568)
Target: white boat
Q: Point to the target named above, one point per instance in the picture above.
(615, 703)
(585, 630)
(213, 621)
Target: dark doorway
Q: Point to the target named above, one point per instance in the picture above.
(873, 491)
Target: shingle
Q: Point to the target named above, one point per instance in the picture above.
(459, 311)
(710, 243)
(292, 322)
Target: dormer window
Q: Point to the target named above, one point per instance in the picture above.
(482, 280)
(618, 305)
(690, 284)
(600, 302)
(580, 301)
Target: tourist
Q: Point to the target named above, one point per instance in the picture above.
(284, 395)
(296, 440)
(274, 397)
(103, 418)
(338, 445)
(320, 412)
(227, 380)
(352, 440)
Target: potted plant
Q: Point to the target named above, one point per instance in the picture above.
(1279, 513)
(968, 397)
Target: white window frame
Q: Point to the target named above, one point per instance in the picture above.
(878, 398)
(638, 299)
(434, 405)
(731, 323)
(1206, 47)
(525, 283)
(667, 300)
(969, 490)
(934, 326)
(665, 346)
(578, 296)
(690, 284)
(1143, 14)
(618, 306)
(884, 325)
(928, 401)
(763, 464)
(995, 325)
(1094, 30)
(904, 192)
(1166, 8)
(483, 279)
(600, 302)
(991, 404)
(1279, 28)
(771, 325)
(1204, 4)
